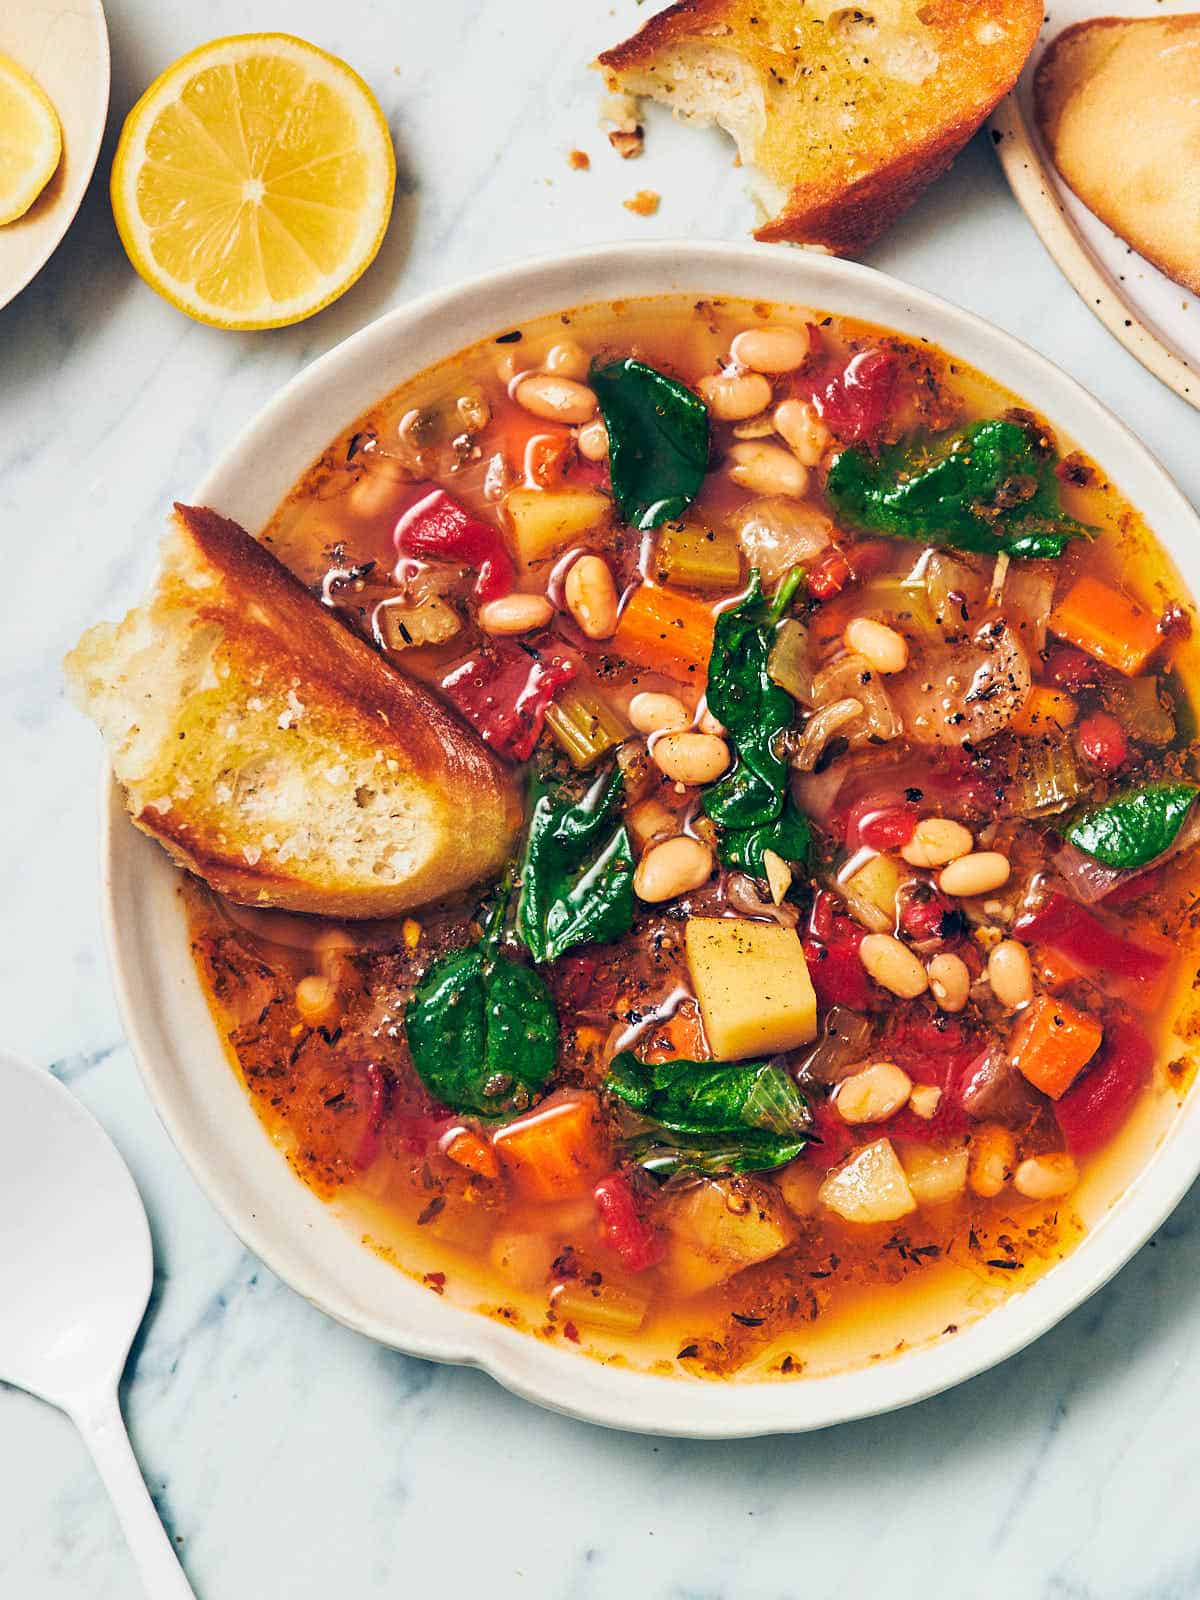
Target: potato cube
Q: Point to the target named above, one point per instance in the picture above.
(870, 1187)
(752, 982)
(544, 520)
(935, 1173)
(871, 892)
(721, 1227)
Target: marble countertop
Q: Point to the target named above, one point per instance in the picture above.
(289, 1457)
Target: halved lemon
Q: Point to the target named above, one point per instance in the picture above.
(30, 140)
(253, 181)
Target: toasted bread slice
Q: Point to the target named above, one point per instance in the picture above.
(274, 753)
(1118, 105)
(842, 115)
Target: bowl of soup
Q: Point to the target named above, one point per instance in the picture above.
(825, 1039)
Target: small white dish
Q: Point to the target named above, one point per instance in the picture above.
(64, 45)
(188, 1076)
(1156, 319)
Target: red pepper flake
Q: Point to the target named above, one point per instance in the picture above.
(570, 1331)
(377, 1098)
(436, 1281)
(437, 528)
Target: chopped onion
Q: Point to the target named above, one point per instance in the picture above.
(852, 677)
(1028, 600)
(820, 728)
(843, 1043)
(778, 533)
(1089, 880)
(741, 892)
(817, 792)
(965, 692)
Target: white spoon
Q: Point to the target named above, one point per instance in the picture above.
(75, 1275)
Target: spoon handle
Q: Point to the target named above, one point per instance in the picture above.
(103, 1429)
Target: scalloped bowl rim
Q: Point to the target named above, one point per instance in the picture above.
(207, 1112)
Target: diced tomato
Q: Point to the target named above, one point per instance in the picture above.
(829, 575)
(639, 1244)
(939, 1052)
(1134, 969)
(1136, 887)
(1103, 741)
(582, 980)
(868, 557)
(418, 1130)
(1098, 1102)
(887, 829)
(504, 691)
(831, 951)
(1071, 669)
(854, 402)
(437, 528)
(925, 913)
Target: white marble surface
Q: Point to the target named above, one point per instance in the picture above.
(289, 1457)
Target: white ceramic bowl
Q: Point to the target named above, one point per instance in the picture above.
(207, 1112)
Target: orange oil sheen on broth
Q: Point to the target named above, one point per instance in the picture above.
(838, 1294)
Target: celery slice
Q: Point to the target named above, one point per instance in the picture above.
(699, 555)
(584, 726)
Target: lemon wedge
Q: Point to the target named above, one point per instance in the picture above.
(253, 181)
(30, 140)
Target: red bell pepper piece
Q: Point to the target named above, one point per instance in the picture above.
(504, 692)
(829, 575)
(633, 1238)
(879, 824)
(1097, 1103)
(1083, 938)
(437, 528)
(854, 403)
(1102, 740)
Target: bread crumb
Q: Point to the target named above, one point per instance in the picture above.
(644, 203)
(252, 854)
(621, 111)
(578, 160)
(629, 143)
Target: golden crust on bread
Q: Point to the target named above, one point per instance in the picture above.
(1118, 105)
(842, 115)
(275, 754)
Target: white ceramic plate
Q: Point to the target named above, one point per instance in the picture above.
(1157, 320)
(203, 1105)
(64, 45)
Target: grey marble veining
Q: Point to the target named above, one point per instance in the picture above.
(291, 1459)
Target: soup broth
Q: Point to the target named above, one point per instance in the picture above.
(861, 898)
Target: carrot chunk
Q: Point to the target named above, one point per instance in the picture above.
(1053, 1043)
(474, 1153)
(682, 1037)
(1109, 627)
(666, 632)
(557, 1152)
(1045, 711)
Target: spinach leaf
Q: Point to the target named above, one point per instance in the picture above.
(1133, 828)
(482, 1031)
(657, 440)
(576, 872)
(751, 804)
(986, 487)
(710, 1116)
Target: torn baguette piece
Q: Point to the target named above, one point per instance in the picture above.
(1117, 102)
(275, 754)
(841, 115)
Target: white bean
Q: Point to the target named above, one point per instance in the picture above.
(993, 1156)
(1044, 1177)
(592, 440)
(1010, 973)
(567, 360)
(672, 868)
(936, 841)
(893, 965)
(767, 469)
(979, 873)
(802, 430)
(734, 396)
(771, 349)
(316, 1000)
(690, 757)
(648, 819)
(515, 613)
(882, 647)
(873, 1094)
(709, 724)
(658, 713)
(555, 399)
(949, 982)
(591, 596)
(924, 1100)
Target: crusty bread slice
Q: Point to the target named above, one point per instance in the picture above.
(274, 753)
(843, 115)
(1118, 104)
